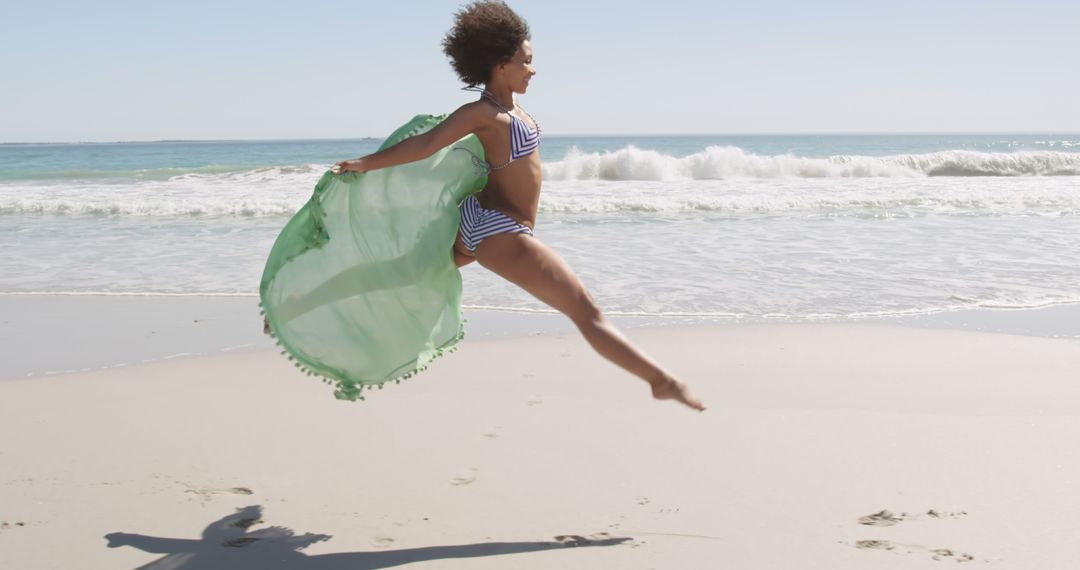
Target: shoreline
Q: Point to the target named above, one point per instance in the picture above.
(48, 334)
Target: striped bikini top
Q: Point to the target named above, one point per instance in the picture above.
(524, 139)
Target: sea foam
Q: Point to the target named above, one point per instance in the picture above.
(724, 180)
(724, 162)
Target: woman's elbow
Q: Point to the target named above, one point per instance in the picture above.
(423, 147)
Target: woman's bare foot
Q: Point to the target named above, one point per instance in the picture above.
(678, 391)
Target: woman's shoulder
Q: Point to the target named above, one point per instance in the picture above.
(480, 113)
(480, 108)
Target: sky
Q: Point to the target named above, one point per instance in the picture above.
(165, 70)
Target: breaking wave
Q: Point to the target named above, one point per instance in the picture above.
(724, 162)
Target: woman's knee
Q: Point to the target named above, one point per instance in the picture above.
(461, 259)
(462, 256)
(585, 312)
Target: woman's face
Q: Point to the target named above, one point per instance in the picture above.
(519, 70)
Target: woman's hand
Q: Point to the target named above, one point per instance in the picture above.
(355, 165)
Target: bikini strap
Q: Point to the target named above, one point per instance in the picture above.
(487, 94)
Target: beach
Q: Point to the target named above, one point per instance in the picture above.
(885, 330)
(828, 445)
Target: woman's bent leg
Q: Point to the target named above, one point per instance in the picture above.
(538, 269)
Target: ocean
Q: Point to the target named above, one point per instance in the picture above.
(747, 228)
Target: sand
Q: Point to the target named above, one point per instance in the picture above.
(854, 446)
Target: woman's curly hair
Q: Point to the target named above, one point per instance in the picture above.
(485, 34)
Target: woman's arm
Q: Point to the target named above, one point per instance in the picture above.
(464, 121)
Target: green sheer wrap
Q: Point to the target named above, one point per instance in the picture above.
(361, 286)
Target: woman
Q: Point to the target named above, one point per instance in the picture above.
(489, 45)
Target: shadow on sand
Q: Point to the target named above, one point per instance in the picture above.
(228, 543)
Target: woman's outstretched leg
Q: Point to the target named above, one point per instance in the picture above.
(538, 269)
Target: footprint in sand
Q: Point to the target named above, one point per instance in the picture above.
(206, 493)
(883, 518)
(381, 541)
(571, 539)
(578, 540)
(464, 479)
(889, 518)
(944, 553)
(596, 539)
(874, 545)
(940, 515)
(937, 554)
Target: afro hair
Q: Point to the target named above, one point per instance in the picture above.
(485, 34)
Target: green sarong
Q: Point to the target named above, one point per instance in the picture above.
(361, 286)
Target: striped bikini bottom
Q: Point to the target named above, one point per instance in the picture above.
(478, 224)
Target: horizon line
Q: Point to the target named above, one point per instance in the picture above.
(579, 135)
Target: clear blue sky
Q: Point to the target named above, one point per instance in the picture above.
(148, 69)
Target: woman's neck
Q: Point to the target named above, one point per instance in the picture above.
(503, 95)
